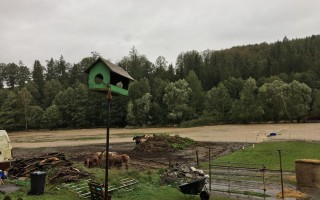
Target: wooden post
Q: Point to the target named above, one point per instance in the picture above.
(197, 156)
(209, 169)
(109, 99)
(281, 174)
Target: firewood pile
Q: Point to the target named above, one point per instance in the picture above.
(55, 164)
(66, 175)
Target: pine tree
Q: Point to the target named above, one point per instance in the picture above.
(51, 70)
(38, 78)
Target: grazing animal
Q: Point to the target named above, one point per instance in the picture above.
(137, 139)
(125, 160)
(140, 139)
(118, 160)
(93, 160)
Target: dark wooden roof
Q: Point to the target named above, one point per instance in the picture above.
(114, 68)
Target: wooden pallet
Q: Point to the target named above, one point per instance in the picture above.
(83, 191)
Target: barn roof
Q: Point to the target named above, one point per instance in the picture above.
(114, 68)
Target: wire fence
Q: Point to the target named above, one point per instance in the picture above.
(247, 179)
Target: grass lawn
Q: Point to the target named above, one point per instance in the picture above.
(266, 153)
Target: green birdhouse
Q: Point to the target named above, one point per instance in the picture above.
(102, 72)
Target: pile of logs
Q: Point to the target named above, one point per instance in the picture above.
(56, 162)
(66, 175)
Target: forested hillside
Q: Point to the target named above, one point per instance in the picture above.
(244, 84)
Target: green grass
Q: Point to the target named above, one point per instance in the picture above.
(51, 193)
(185, 143)
(148, 188)
(266, 153)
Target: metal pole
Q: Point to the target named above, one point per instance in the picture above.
(229, 190)
(281, 174)
(264, 181)
(109, 99)
(210, 169)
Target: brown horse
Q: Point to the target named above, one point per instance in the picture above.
(94, 160)
(116, 160)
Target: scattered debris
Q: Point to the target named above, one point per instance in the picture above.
(63, 170)
(23, 167)
(66, 175)
(182, 174)
(290, 193)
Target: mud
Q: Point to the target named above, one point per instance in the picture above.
(139, 159)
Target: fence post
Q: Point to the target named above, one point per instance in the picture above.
(229, 178)
(281, 174)
(209, 168)
(264, 181)
(197, 156)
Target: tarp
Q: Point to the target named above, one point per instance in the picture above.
(5, 146)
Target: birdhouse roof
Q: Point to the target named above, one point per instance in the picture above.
(114, 68)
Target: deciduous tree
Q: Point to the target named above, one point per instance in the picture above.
(177, 100)
(272, 100)
(298, 98)
(197, 95)
(51, 89)
(35, 117)
(25, 98)
(51, 118)
(218, 102)
(248, 109)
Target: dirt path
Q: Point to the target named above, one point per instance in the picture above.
(216, 133)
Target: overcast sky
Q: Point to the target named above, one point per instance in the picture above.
(40, 29)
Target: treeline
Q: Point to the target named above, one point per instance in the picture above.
(244, 84)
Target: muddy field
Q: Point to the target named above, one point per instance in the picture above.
(218, 133)
(223, 139)
(139, 159)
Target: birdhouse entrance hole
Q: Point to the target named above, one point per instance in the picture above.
(98, 79)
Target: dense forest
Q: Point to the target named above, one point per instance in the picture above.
(256, 83)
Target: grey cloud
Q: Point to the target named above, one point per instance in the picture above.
(40, 29)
